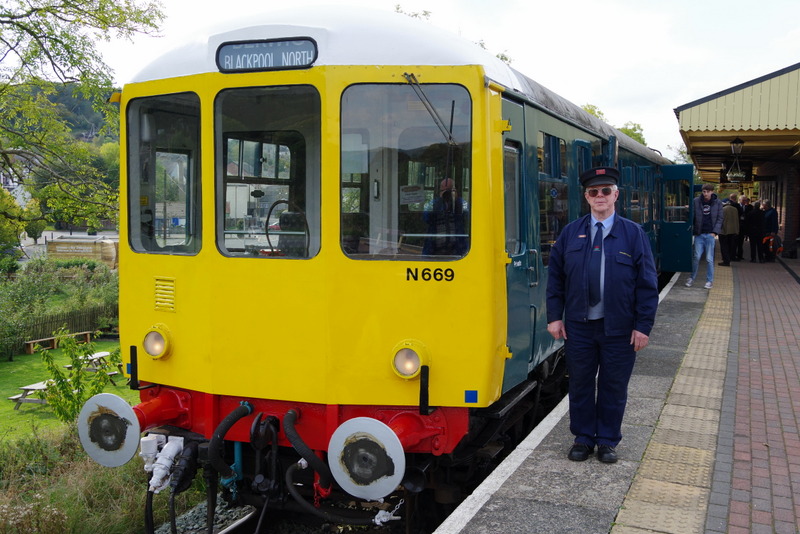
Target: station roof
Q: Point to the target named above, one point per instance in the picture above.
(764, 113)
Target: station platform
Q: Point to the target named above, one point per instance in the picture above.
(711, 442)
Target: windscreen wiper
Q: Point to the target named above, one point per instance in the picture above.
(448, 135)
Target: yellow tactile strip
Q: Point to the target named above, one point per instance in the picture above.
(670, 491)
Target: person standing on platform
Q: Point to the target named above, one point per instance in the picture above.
(707, 226)
(744, 202)
(730, 231)
(755, 233)
(602, 297)
(770, 226)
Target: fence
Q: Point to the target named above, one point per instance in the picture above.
(44, 326)
(77, 321)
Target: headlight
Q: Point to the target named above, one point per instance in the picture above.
(156, 342)
(406, 362)
(408, 357)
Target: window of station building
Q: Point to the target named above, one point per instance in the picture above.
(406, 171)
(268, 172)
(163, 174)
(553, 214)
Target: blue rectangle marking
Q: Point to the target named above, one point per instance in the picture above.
(471, 396)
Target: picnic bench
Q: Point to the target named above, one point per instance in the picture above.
(95, 362)
(52, 342)
(27, 390)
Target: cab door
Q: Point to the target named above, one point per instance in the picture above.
(523, 270)
(675, 232)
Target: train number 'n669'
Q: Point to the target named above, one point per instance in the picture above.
(427, 274)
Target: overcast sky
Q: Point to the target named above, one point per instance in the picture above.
(636, 60)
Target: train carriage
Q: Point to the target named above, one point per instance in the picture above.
(335, 232)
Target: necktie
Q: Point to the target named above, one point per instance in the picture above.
(595, 262)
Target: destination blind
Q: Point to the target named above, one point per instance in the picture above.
(250, 56)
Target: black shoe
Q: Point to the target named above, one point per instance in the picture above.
(579, 452)
(606, 454)
(725, 264)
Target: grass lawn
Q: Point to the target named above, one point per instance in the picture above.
(29, 369)
(48, 485)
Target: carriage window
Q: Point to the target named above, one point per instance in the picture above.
(268, 175)
(163, 170)
(511, 197)
(553, 214)
(676, 201)
(552, 155)
(406, 171)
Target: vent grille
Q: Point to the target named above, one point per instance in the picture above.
(165, 294)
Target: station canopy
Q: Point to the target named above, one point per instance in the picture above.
(760, 119)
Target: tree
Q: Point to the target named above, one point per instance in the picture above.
(415, 15)
(49, 55)
(34, 221)
(634, 131)
(682, 156)
(591, 109)
(10, 223)
(631, 129)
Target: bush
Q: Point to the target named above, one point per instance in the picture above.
(84, 263)
(8, 264)
(70, 390)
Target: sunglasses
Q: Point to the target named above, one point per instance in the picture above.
(592, 192)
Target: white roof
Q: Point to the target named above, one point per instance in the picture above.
(358, 36)
(344, 36)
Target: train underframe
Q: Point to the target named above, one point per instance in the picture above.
(394, 460)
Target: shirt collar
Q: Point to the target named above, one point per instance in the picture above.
(608, 223)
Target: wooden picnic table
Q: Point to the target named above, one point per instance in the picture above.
(27, 390)
(96, 361)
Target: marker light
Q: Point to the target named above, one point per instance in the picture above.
(406, 362)
(408, 357)
(156, 342)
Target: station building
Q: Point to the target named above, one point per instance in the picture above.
(748, 136)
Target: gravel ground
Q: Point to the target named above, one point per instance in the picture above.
(194, 521)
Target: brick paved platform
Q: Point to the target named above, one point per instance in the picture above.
(710, 438)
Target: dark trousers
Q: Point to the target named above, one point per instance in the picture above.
(756, 246)
(600, 368)
(740, 246)
(727, 246)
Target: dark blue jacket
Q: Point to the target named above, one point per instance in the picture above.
(771, 221)
(630, 297)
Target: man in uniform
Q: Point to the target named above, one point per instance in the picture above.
(602, 297)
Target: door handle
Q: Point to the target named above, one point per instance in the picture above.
(533, 267)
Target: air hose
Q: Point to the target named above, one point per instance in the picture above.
(215, 445)
(324, 514)
(325, 476)
(149, 523)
